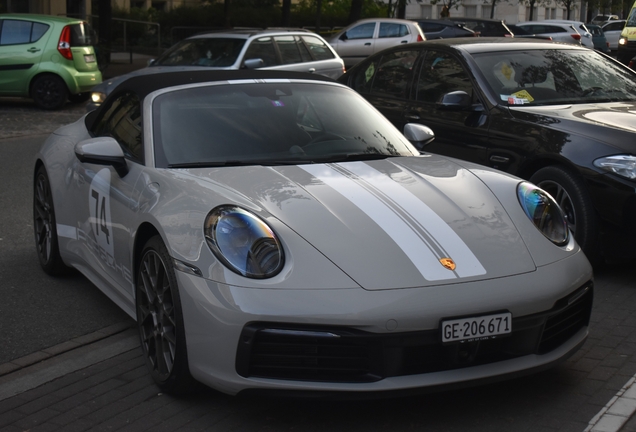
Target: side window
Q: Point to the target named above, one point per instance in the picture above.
(441, 73)
(289, 49)
(554, 29)
(262, 48)
(363, 80)
(318, 48)
(363, 31)
(390, 30)
(394, 74)
(15, 32)
(122, 121)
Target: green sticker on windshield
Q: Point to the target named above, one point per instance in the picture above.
(368, 74)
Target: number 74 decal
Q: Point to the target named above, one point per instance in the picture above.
(99, 210)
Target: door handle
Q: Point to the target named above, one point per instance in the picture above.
(499, 159)
(404, 42)
(367, 44)
(33, 50)
(312, 70)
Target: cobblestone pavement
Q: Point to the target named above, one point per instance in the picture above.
(20, 117)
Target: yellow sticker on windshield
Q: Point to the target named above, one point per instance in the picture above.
(368, 74)
(506, 70)
(523, 94)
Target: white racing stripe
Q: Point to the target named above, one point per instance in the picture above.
(403, 216)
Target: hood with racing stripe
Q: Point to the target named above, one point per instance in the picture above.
(388, 223)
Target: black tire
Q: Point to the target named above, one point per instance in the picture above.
(160, 320)
(79, 98)
(45, 227)
(568, 189)
(49, 92)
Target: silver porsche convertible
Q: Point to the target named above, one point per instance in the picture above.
(271, 231)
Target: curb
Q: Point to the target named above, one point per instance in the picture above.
(78, 342)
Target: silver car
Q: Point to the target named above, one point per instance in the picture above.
(572, 32)
(613, 30)
(273, 231)
(368, 36)
(278, 49)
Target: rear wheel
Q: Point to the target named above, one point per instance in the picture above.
(160, 320)
(45, 227)
(569, 192)
(49, 92)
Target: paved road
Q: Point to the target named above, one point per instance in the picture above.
(93, 376)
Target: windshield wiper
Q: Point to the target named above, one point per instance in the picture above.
(247, 162)
(353, 157)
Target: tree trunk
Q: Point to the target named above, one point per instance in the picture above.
(285, 22)
(356, 10)
(318, 13)
(105, 11)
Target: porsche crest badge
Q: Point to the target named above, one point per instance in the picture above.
(448, 263)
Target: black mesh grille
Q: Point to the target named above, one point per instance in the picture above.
(311, 353)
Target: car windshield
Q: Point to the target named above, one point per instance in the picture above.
(213, 52)
(270, 124)
(555, 76)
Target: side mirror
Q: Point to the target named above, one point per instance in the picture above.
(455, 101)
(150, 62)
(343, 36)
(418, 134)
(102, 151)
(254, 63)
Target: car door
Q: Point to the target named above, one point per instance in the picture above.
(22, 44)
(460, 132)
(357, 43)
(391, 34)
(108, 201)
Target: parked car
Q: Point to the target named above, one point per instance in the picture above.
(601, 19)
(443, 29)
(271, 230)
(559, 115)
(484, 26)
(598, 37)
(560, 31)
(612, 31)
(365, 37)
(47, 58)
(279, 49)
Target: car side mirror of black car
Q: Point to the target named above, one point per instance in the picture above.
(102, 151)
(418, 134)
(254, 63)
(151, 62)
(455, 101)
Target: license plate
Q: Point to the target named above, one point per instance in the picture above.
(476, 328)
(89, 58)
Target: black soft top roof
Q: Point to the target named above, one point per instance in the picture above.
(143, 85)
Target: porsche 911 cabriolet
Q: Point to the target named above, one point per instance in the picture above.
(271, 231)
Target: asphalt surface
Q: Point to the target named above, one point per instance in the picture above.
(79, 367)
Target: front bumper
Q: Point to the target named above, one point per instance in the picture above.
(388, 339)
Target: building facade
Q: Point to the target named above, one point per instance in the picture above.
(509, 12)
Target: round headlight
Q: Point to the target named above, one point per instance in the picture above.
(98, 97)
(243, 242)
(544, 212)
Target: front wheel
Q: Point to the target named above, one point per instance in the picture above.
(569, 192)
(45, 227)
(160, 320)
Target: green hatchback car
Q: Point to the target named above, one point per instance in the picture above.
(47, 58)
